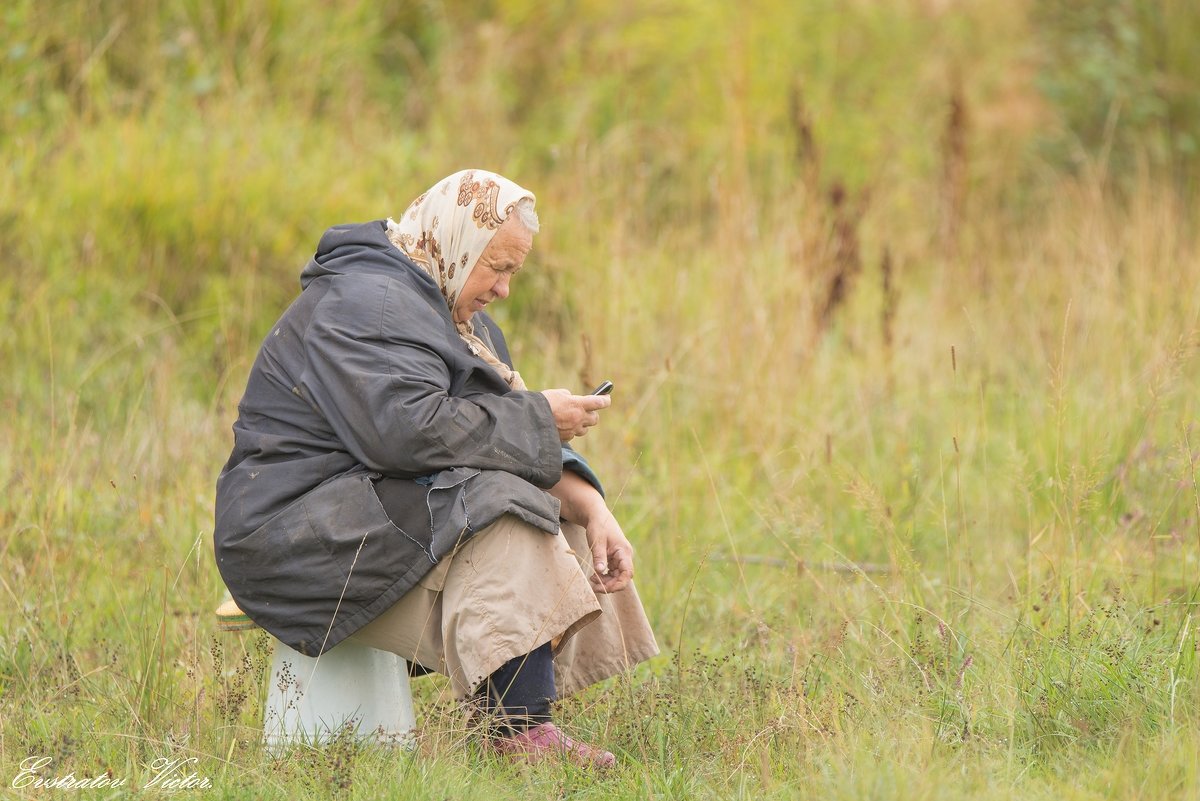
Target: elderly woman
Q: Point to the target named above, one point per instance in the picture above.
(393, 481)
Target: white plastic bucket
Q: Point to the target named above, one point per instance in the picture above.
(313, 699)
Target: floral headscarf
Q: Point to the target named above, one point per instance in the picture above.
(445, 229)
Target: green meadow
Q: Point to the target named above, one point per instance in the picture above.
(901, 299)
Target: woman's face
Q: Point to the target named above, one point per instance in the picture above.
(498, 263)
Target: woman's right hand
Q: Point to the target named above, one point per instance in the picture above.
(574, 414)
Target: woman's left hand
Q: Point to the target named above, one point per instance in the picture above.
(612, 555)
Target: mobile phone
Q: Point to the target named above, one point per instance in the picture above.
(603, 389)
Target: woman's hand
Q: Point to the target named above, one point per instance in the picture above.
(574, 414)
(612, 555)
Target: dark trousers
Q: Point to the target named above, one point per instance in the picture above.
(519, 693)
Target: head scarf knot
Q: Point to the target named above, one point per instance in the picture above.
(445, 229)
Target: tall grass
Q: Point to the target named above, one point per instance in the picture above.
(928, 529)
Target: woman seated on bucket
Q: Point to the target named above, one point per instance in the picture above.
(394, 482)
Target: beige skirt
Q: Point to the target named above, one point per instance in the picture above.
(502, 593)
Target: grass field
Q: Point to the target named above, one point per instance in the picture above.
(906, 376)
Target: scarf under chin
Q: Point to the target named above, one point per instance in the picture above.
(445, 229)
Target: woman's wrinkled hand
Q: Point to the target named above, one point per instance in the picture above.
(612, 555)
(574, 414)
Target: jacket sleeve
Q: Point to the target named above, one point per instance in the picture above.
(384, 391)
(572, 460)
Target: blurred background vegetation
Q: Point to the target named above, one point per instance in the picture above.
(181, 153)
(910, 284)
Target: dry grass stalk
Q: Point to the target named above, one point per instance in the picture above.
(807, 156)
(803, 565)
(887, 312)
(843, 258)
(834, 255)
(586, 371)
(954, 172)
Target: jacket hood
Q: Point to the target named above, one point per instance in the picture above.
(360, 248)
